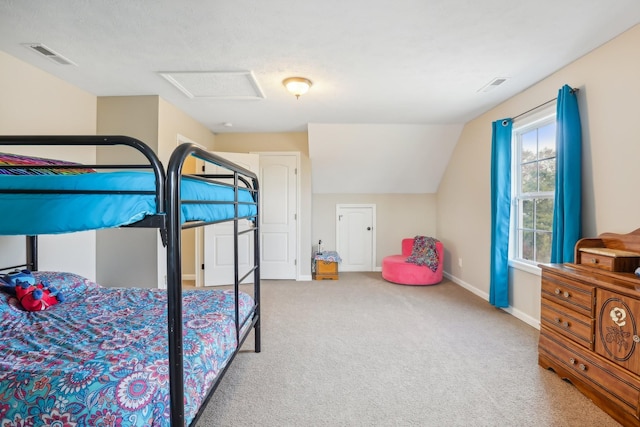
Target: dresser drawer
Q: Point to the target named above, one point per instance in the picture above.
(617, 385)
(569, 293)
(567, 322)
(609, 259)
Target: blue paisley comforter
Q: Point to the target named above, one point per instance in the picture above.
(100, 357)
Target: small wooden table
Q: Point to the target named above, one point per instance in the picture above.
(324, 265)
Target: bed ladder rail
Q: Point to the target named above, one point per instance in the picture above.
(174, 268)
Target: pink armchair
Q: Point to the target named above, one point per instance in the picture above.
(396, 269)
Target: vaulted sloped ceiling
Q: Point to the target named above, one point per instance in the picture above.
(379, 158)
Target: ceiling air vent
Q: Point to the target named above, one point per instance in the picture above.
(493, 84)
(48, 53)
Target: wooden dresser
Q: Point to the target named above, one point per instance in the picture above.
(590, 330)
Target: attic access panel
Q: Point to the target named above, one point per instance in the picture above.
(216, 84)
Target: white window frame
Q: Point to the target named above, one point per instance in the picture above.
(539, 118)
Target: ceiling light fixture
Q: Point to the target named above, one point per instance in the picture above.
(297, 85)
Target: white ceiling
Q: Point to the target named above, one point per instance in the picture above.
(373, 61)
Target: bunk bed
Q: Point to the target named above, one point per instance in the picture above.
(126, 355)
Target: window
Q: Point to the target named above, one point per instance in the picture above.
(534, 172)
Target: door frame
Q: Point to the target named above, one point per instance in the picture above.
(298, 197)
(199, 237)
(372, 206)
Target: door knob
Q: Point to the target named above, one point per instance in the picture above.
(368, 228)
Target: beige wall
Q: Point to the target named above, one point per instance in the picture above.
(127, 257)
(247, 142)
(134, 116)
(174, 124)
(397, 216)
(608, 98)
(282, 142)
(158, 124)
(33, 102)
(36, 103)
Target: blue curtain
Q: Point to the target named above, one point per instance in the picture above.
(500, 212)
(567, 209)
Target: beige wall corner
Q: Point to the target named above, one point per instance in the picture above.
(33, 102)
(158, 124)
(127, 257)
(609, 89)
(175, 125)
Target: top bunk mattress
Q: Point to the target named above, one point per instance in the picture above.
(54, 213)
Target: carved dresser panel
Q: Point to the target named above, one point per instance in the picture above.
(589, 331)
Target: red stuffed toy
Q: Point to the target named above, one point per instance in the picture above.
(31, 295)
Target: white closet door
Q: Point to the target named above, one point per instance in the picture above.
(278, 219)
(218, 238)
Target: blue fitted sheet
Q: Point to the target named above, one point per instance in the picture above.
(32, 214)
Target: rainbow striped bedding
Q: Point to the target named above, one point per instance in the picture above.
(9, 159)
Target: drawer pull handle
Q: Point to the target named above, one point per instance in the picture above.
(557, 291)
(636, 338)
(557, 319)
(566, 294)
(582, 367)
(594, 260)
(572, 361)
(565, 324)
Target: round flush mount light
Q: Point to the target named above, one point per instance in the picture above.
(297, 85)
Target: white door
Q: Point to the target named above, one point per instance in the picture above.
(278, 222)
(218, 238)
(355, 237)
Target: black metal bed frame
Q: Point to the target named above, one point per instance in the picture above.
(168, 221)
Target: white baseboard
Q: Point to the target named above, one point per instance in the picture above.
(485, 296)
(523, 316)
(305, 278)
(189, 277)
(467, 286)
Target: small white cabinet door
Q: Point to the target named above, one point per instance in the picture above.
(355, 236)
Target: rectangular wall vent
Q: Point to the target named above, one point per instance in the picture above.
(493, 84)
(48, 53)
